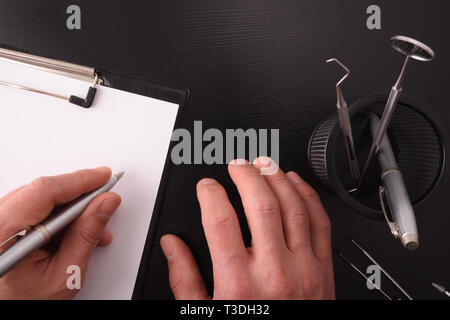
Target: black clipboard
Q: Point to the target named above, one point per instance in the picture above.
(167, 93)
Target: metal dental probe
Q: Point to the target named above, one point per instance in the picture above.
(382, 270)
(362, 274)
(345, 124)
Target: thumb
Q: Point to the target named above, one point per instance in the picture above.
(85, 233)
(184, 277)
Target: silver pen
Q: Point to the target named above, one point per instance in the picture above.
(404, 224)
(42, 233)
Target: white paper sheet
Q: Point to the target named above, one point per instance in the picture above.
(42, 135)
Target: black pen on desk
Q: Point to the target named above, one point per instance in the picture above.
(42, 233)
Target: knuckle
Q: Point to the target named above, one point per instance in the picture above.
(311, 287)
(266, 207)
(42, 183)
(298, 213)
(279, 285)
(222, 222)
(278, 273)
(278, 178)
(175, 280)
(231, 258)
(313, 282)
(90, 236)
(325, 225)
(78, 186)
(312, 194)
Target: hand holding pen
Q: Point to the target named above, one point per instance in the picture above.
(42, 275)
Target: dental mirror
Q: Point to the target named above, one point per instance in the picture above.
(413, 49)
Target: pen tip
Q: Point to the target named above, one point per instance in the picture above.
(119, 175)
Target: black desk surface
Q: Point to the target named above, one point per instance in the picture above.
(260, 64)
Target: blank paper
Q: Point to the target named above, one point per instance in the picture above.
(42, 135)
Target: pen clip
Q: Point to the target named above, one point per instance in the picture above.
(20, 234)
(391, 224)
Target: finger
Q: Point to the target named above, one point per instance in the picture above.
(86, 231)
(293, 209)
(11, 194)
(221, 226)
(34, 202)
(319, 222)
(185, 278)
(106, 239)
(8, 227)
(260, 205)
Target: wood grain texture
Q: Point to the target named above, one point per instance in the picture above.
(261, 64)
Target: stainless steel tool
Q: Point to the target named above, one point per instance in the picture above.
(395, 283)
(363, 275)
(413, 49)
(345, 124)
(441, 289)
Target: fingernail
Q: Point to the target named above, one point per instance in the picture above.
(207, 181)
(263, 162)
(108, 206)
(294, 177)
(238, 162)
(167, 248)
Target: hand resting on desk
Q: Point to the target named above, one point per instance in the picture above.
(290, 255)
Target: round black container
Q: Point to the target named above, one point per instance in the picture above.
(414, 137)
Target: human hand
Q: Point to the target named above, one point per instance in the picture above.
(290, 255)
(42, 275)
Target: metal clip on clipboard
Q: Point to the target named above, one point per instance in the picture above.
(54, 66)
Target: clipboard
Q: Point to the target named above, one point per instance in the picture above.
(94, 79)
